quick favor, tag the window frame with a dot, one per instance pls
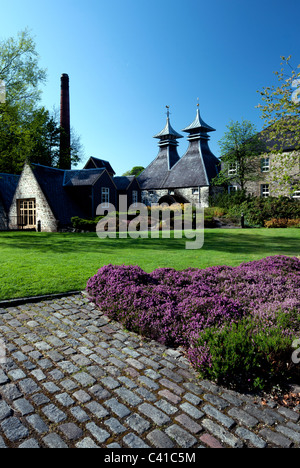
(232, 188)
(26, 211)
(296, 195)
(232, 170)
(135, 197)
(265, 165)
(105, 197)
(265, 190)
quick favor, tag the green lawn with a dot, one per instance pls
(41, 263)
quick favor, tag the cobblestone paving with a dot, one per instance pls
(74, 379)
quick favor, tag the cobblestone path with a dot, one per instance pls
(74, 379)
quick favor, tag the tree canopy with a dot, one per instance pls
(239, 148)
(28, 131)
(136, 170)
(280, 110)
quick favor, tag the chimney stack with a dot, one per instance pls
(65, 130)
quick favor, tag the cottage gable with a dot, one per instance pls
(30, 204)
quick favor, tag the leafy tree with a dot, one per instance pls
(281, 115)
(28, 132)
(20, 71)
(239, 148)
(136, 170)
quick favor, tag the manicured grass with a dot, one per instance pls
(34, 264)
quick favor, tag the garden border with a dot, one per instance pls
(24, 300)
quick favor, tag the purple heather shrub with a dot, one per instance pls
(175, 307)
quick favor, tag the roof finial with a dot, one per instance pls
(198, 102)
(168, 111)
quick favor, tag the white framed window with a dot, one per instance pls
(232, 188)
(105, 197)
(171, 192)
(232, 168)
(135, 197)
(296, 195)
(265, 190)
(265, 164)
(195, 191)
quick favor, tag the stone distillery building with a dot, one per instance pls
(46, 198)
(171, 179)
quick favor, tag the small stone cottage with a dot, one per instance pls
(47, 198)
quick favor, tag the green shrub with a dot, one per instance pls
(258, 210)
(85, 224)
(227, 200)
(248, 354)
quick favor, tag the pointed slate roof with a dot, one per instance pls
(156, 172)
(168, 133)
(96, 163)
(199, 165)
(198, 126)
(123, 182)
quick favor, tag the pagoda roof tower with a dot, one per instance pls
(199, 165)
(155, 174)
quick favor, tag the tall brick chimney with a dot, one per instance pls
(65, 131)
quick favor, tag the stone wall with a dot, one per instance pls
(28, 188)
(191, 194)
(291, 165)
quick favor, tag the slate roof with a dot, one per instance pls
(168, 131)
(287, 141)
(154, 175)
(123, 182)
(195, 169)
(198, 125)
(83, 177)
(8, 185)
(60, 200)
(99, 164)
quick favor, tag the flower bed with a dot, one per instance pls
(237, 324)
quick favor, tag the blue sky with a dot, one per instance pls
(128, 59)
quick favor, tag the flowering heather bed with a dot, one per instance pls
(237, 324)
